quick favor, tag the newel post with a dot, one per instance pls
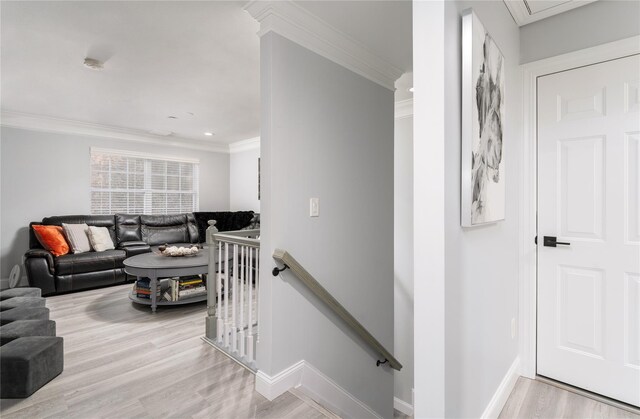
(212, 278)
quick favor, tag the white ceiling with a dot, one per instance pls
(196, 61)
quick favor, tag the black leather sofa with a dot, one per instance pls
(132, 234)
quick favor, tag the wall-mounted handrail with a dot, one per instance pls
(307, 279)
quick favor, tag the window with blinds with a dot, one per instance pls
(134, 183)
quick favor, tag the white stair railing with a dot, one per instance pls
(232, 290)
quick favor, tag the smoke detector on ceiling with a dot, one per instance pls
(93, 64)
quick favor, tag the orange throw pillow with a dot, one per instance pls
(52, 239)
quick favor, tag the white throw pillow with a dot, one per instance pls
(100, 239)
(77, 237)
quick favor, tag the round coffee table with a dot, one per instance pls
(154, 266)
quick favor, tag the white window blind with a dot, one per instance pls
(136, 183)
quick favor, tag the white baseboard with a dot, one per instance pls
(503, 391)
(272, 387)
(316, 385)
(402, 406)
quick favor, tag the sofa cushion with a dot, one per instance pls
(20, 292)
(160, 229)
(127, 228)
(89, 262)
(28, 363)
(88, 280)
(17, 302)
(24, 313)
(24, 328)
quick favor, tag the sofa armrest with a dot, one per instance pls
(133, 248)
(41, 253)
(40, 270)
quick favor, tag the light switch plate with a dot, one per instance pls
(314, 207)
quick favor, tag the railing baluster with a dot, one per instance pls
(226, 295)
(220, 321)
(257, 285)
(241, 302)
(250, 312)
(234, 300)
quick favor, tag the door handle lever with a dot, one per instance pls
(552, 241)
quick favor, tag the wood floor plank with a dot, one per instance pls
(536, 399)
(122, 361)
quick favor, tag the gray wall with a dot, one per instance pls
(47, 174)
(587, 26)
(481, 285)
(403, 256)
(243, 178)
(328, 133)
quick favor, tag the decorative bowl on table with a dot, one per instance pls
(175, 251)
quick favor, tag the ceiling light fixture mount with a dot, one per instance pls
(93, 64)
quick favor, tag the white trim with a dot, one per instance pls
(272, 387)
(141, 155)
(297, 24)
(404, 109)
(66, 126)
(316, 385)
(245, 145)
(522, 16)
(402, 406)
(528, 200)
(503, 391)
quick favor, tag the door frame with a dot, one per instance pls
(528, 185)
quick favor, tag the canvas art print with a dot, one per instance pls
(483, 177)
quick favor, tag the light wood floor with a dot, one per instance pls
(535, 399)
(121, 361)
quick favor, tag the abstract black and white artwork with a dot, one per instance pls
(483, 93)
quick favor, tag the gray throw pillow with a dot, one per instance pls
(77, 237)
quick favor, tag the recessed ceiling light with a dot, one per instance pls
(410, 89)
(93, 64)
(208, 134)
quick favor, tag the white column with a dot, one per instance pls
(212, 320)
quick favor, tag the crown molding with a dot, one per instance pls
(404, 109)
(304, 28)
(244, 145)
(65, 126)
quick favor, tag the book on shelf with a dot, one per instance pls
(185, 287)
(142, 289)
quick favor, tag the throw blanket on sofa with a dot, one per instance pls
(225, 221)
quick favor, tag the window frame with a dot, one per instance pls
(147, 174)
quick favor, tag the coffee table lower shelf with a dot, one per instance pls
(147, 301)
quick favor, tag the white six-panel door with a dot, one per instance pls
(589, 196)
